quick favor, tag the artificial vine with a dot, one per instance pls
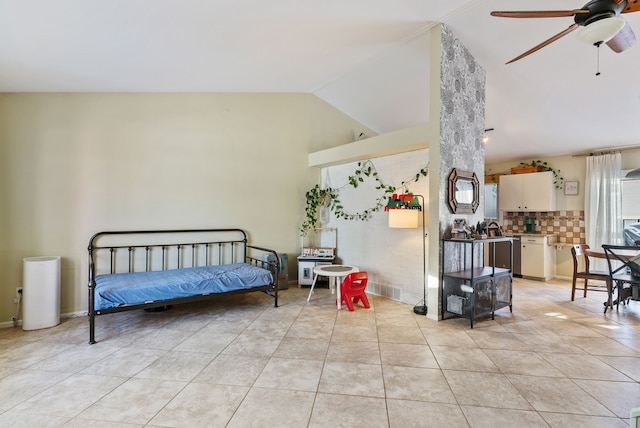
(557, 178)
(317, 197)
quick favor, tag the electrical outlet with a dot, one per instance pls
(18, 292)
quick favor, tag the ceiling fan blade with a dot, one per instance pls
(546, 42)
(623, 40)
(538, 13)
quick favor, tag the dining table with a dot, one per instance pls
(622, 255)
(600, 254)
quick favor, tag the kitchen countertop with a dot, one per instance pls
(529, 234)
(553, 238)
(552, 235)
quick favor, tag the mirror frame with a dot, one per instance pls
(455, 206)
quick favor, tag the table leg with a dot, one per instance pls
(313, 284)
(609, 303)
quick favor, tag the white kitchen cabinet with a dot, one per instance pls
(537, 257)
(527, 192)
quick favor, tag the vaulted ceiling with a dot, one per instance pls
(549, 103)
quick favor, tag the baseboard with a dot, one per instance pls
(9, 324)
(18, 323)
(74, 314)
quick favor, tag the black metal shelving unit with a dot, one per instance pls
(475, 289)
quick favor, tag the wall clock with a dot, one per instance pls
(570, 187)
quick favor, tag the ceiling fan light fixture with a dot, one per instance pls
(600, 31)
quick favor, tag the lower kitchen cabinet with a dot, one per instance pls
(472, 289)
(537, 257)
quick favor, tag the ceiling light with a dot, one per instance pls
(600, 31)
(485, 137)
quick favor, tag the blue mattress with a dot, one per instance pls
(139, 287)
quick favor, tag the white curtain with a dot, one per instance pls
(602, 201)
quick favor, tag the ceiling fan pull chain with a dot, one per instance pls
(598, 58)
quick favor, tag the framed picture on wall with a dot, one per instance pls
(570, 187)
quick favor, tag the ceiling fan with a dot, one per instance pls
(600, 19)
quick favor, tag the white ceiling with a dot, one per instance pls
(550, 103)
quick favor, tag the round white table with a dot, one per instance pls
(333, 272)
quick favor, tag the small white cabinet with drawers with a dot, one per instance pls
(537, 257)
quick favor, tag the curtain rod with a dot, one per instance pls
(597, 152)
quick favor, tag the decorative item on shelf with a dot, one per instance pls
(481, 230)
(472, 232)
(493, 230)
(404, 213)
(459, 230)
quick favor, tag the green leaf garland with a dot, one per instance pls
(317, 197)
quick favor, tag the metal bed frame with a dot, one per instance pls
(188, 248)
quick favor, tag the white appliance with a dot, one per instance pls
(320, 249)
(306, 265)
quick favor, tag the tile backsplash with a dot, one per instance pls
(568, 226)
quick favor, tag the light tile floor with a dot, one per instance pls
(240, 362)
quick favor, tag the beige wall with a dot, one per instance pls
(572, 168)
(74, 164)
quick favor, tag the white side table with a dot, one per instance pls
(333, 272)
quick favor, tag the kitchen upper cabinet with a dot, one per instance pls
(527, 192)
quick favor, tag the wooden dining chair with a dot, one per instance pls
(580, 258)
(624, 271)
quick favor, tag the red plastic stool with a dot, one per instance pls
(352, 289)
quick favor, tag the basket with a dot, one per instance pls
(526, 169)
(493, 178)
(455, 304)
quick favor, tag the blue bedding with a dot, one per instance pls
(140, 287)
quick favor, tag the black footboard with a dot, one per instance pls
(159, 250)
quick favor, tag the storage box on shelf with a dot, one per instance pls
(526, 169)
(475, 289)
(492, 179)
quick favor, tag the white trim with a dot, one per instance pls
(77, 314)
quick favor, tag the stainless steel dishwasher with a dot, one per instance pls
(503, 256)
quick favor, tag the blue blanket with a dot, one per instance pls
(140, 287)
